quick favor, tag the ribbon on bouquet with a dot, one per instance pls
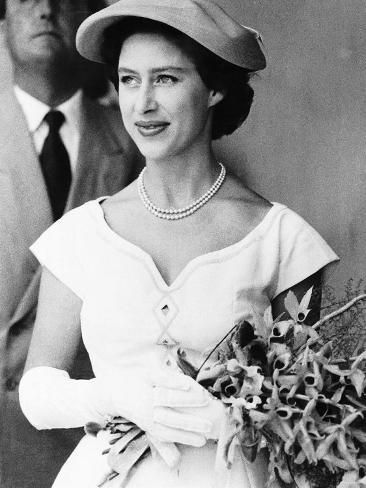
(127, 445)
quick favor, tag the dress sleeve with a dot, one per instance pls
(301, 252)
(58, 249)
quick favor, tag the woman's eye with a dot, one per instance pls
(129, 81)
(166, 80)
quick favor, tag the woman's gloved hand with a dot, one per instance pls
(51, 399)
(137, 399)
(187, 407)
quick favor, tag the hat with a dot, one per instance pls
(202, 20)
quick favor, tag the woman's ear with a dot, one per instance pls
(215, 97)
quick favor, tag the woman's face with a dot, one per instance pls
(164, 103)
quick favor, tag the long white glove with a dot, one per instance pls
(191, 409)
(50, 399)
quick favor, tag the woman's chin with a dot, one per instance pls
(155, 153)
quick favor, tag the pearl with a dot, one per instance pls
(178, 213)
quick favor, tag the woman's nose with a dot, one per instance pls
(146, 100)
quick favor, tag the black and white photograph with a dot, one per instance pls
(182, 244)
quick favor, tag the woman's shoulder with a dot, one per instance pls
(91, 211)
(246, 210)
(122, 210)
(236, 190)
(243, 206)
(125, 197)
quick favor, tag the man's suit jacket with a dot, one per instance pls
(107, 161)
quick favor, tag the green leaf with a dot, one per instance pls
(262, 328)
(357, 378)
(123, 462)
(292, 305)
(249, 439)
(183, 363)
(268, 317)
(281, 465)
(361, 406)
(345, 452)
(324, 445)
(260, 419)
(304, 304)
(231, 452)
(361, 357)
(106, 478)
(337, 395)
(312, 333)
(332, 368)
(126, 439)
(360, 435)
(334, 460)
(211, 373)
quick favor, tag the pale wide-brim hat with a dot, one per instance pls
(202, 20)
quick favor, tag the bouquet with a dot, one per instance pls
(284, 389)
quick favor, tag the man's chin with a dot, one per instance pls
(47, 44)
(49, 54)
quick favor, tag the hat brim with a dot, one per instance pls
(90, 34)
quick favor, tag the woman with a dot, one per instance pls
(176, 258)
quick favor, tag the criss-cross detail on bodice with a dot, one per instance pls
(165, 311)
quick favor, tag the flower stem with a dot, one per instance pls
(215, 348)
(339, 311)
(331, 315)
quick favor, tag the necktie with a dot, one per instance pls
(55, 164)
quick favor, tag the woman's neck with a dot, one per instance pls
(177, 182)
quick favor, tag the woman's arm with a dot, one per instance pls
(315, 280)
(56, 334)
(48, 396)
(51, 399)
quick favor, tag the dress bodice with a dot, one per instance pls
(131, 320)
(128, 310)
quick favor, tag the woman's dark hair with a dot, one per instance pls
(216, 73)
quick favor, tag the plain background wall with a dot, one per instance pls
(304, 143)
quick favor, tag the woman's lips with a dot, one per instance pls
(148, 129)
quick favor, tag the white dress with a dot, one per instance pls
(128, 308)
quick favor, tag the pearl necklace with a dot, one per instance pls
(178, 213)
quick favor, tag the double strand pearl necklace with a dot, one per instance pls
(178, 213)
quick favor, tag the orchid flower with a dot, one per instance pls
(354, 375)
(252, 382)
(351, 480)
(337, 434)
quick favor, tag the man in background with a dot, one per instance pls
(58, 149)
